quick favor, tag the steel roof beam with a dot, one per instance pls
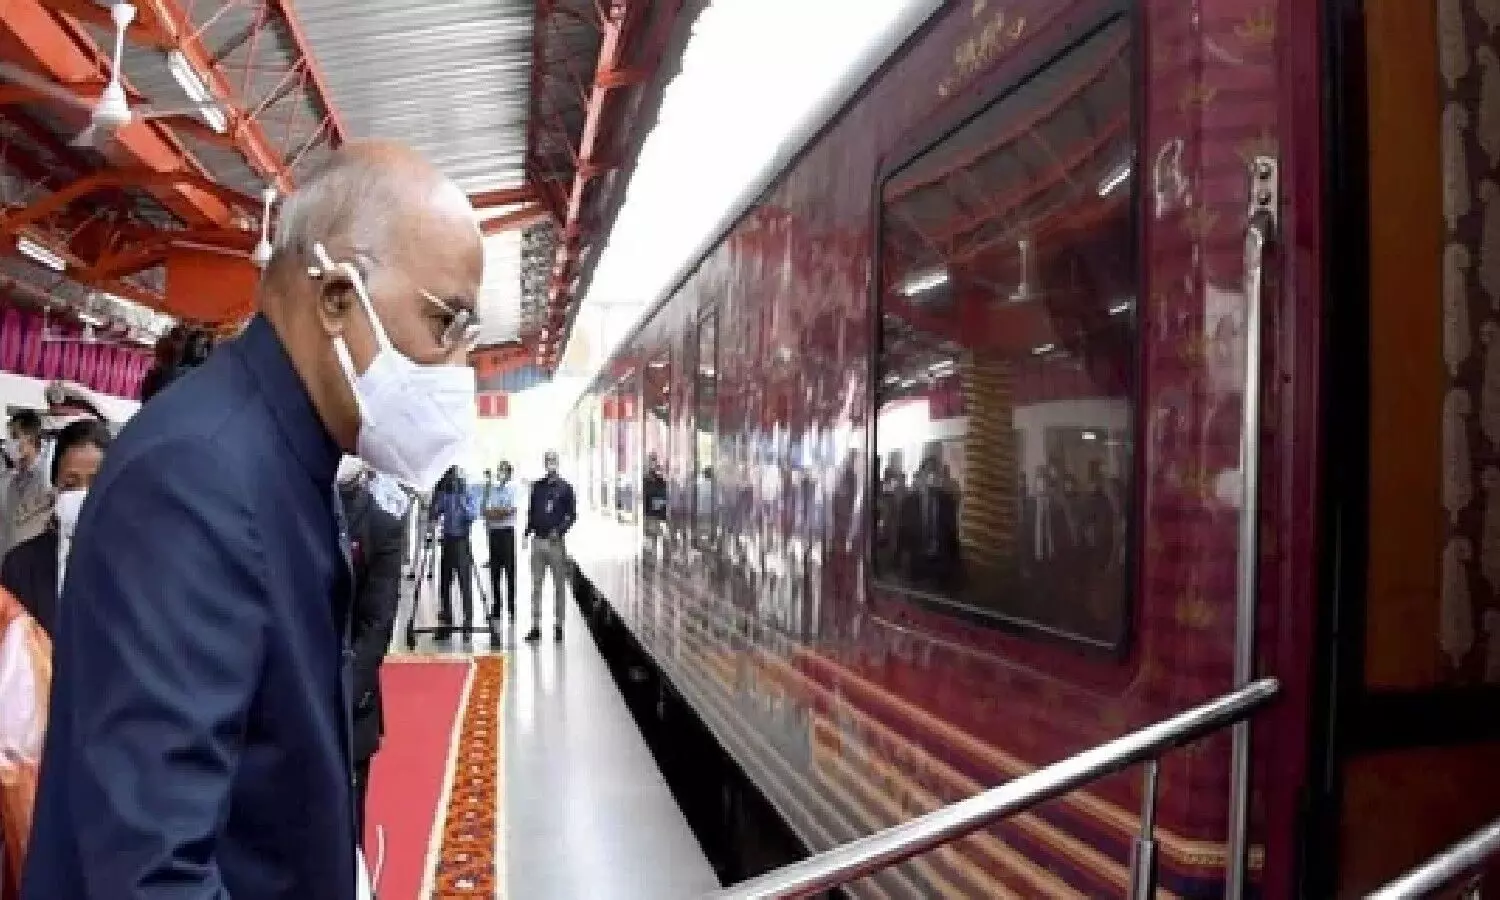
(524, 217)
(57, 201)
(595, 151)
(503, 197)
(611, 49)
(337, 133)
(165, 26)
(168, 20)
(30, 35)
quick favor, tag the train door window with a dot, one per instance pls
(657, 413)
(1007, 346)
(627, 469)
(705, 427)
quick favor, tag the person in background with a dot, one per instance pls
(551, 512)
(376, 535)
(455, 506)
(33, 570)
(654, 497)
(25, 496)
(498, 506)
(167, 352)
(654, 490)
(198, 743)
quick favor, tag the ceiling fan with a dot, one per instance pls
(112, 111)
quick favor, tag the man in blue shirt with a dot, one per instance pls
(550, 514)
(498, 504)
(458, 508)
(198, 746)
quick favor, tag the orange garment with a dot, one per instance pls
(25, 684)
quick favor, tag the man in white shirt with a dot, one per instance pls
(498, 506)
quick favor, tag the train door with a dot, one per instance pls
(1410, 744)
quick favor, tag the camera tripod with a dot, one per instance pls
(426, 572)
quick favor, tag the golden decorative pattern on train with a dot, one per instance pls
(1198, 222)
(1258, 28)
(1193, 611)
(1466, 642)
(988, 509)
(1196, 95)
(994, 37)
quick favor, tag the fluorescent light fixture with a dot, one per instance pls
(1045, 348)
(1023, 291)
(1121, 307)
(1115, 177)
(942, 368)
(921, 282)
(1090, 436)
(39, 254)
(193, 85)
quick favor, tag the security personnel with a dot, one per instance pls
(199, 739)
(550, 514)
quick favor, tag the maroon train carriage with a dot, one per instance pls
(950, 418)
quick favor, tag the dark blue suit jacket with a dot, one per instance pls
(199, 737)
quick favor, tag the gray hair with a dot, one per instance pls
(346, 202)
(351, 203)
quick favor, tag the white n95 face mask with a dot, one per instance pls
(414, 420)
(69, 505)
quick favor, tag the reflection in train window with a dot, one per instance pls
(657, 410)
(705, 427)
(607, 453)
(1006, 374)
(627, 464)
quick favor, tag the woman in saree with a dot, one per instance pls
(25, 682)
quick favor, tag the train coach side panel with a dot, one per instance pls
(855, 706)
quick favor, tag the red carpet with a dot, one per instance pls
(422, 703)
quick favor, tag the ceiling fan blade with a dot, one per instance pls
(46, 86)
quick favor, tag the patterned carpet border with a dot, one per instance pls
(464, 855)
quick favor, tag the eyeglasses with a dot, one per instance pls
(461, 331)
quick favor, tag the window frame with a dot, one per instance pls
(1006, 79)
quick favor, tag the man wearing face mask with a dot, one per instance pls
(25, 495)
(33, 570)
(200, 741)
(550, 514)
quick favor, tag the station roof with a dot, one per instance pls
(536, 108)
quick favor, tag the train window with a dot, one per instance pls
(607, 453)
(1007, 345)
(657, 411)
(627, 467)
(705, 426)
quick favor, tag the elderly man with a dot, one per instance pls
(200, 740)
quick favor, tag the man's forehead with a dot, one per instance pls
(444, 256)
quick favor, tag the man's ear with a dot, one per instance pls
(336, 301)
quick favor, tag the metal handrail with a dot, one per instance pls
(1459, 865)
(1260, 233)
(884, 849)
